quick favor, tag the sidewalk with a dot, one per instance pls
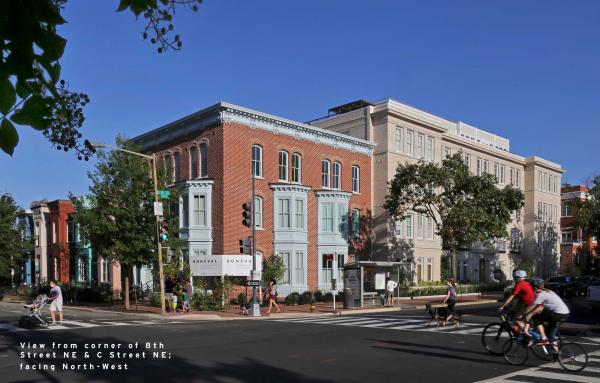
(321, 309)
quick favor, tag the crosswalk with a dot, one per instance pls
(553, 373)
(83, 324)
(413, 323)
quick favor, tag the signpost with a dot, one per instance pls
(334, 272)
(158, 209)
(252, 283)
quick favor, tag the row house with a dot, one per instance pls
(575, 247)
(313, 187)
(405, 134)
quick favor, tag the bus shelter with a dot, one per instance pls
(364, 281)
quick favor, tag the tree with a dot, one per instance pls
(588, 212)
(120, 223)
(32, 92)
(12, 246)
(273, 268)
(464, 208)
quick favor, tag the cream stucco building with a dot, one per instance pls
(407, 134)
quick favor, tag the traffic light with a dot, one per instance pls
(246, 245)
(247, 214)
(164, 230)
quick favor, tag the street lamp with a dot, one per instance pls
(152, 158)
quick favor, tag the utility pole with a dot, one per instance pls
(255, 304)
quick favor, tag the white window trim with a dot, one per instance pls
(283, 164)
(258, 161)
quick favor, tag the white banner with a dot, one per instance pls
(223, 265)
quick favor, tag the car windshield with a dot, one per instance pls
(559, 279)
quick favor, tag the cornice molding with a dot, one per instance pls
(332, 194)
(290, 188)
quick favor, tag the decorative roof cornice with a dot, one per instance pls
(332, 194)
(197, 183)
(290, 188)
(223, 113)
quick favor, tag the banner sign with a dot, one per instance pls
(202, 265)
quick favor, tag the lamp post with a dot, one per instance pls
(155, 179)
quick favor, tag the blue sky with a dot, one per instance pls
(528, 71)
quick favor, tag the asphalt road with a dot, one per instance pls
(396, 346)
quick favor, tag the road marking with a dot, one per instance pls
(144, 322)
(57, 327)
(390, 323)
(116, 324)
(79, 324)
(358, 323)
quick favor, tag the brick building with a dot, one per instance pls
(313, 187)
(60, 236)
(574, 247)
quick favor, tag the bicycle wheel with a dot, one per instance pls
(494, 336)
(515, 352)
(572, 357)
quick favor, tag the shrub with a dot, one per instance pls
(305, 298)
(242, 299)
(154, 299)
(292, 299)
(319, 296)
(328, 297)
(201, 301)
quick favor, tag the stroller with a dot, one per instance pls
(33, 317)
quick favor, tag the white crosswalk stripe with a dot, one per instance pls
(553, 372)
(413, 323)
(81, 324)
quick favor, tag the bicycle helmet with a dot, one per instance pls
(537, 283)
(519, 274)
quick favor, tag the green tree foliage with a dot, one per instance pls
(465, 208)
(588, 211)
(273, 268)
(120, 223)
(12, 246)
(32, 92)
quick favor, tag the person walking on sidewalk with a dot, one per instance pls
(450, 299)
(389, 287)
(57, 302)
(272, 290)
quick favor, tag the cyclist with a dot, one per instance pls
(523, 291)
(547, 307)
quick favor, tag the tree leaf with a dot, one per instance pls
(53, 45)
(7, 95)
(55, 73)
(9, 138)
(123, 5)
(34, 113)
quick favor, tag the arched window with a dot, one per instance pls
(168, 167)
(203, 160)
(193, 162)
(257, 160)
(355, 179)
(325, 165)
(258, 212)
(283, 165)
(296, 168)
(337, 175)
(177, 166)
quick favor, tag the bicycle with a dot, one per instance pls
(495, 335)
(571, 356)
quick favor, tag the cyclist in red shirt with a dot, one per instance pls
(523, 290)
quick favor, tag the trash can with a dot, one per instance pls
(348, 298)
(382, 298)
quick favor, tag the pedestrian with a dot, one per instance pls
(390, 286)
(272, 289)
(188, 292)
(56, 302)
(450, 299)
(169, 293)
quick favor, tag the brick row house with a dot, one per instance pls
(575, 248)
(312, 188)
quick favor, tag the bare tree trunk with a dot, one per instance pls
(453, 261)
(126, 291)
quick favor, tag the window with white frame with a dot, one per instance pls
(177, 166)
(567, 236)
(104, 268)
(258, 212)
(296, 168)
(429, 228)
(283, 165)
(430, 269)
(327, 217)
(81, 269)
(167, 161)
(355, 179)
(565, 209)
(511, 176)
(486, 166)
(194, 162)
(419, 226)
(419, 269)
(467, 161)
(409, 142)
(518, 178)
(299, 213)
(337, 176)
(398, 227)
(325, 168)
(327, 265)
(539, 211)
(356, 222)
(430, 149)
(257, 152)
(286, 256)
(300, 274)
(409, 225)
(199, 210)
(283, 205)
(70, 230)
(447, 152)
(420, 145)
(54, 232)
(478, 166)
(497, 172)
(203, 160)
(399, 142)
(342, 218)
(185, 210)
(502, 171)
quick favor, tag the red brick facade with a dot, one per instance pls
(574, 248)
(59, 260)
(230, 167)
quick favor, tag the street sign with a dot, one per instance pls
(252, 283)
(164, 194)
(158, 208)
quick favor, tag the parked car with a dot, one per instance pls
(593, 295)
(557, 284)
(579, 286)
